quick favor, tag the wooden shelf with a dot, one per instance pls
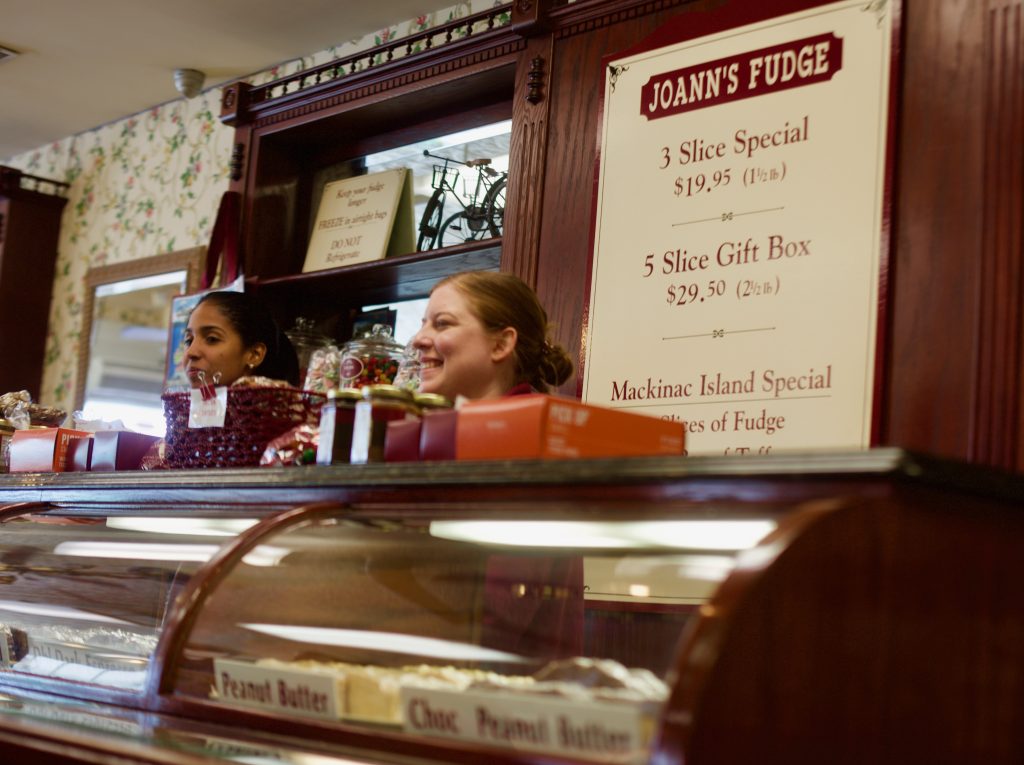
(403, 277)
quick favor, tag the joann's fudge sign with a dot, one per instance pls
(739, 231)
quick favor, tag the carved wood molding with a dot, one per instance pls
(997, 418)
(520, 243)
(355, 88)
(579, 18)
(237, 161)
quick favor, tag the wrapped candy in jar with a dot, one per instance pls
(409, 369)
(371, 360)
(306, 340)
(324, 372)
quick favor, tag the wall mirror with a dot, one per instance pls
(122, 358)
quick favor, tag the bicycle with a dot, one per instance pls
(482, 213)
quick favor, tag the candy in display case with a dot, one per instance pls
(517, 634)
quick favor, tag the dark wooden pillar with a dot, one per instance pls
(30, 212)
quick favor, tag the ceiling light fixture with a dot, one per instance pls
(189, 82)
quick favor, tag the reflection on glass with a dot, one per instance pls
(387, 642)
(57, 612)
(203, 527)
(683, 535)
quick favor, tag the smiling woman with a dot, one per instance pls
(485, 335)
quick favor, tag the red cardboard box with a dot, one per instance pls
(119, 450)
(402, 441)
(554, 427)
(79, 456)
(42, 450)
(437, 435)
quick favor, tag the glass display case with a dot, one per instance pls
(85, 599)
(504, 632)
(520, 629)
(628, 611)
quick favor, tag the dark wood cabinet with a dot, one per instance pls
(30, 213)
(954, 342)
(296, 134)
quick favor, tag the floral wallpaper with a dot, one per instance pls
(150, 184)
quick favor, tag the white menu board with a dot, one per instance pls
(740, 229)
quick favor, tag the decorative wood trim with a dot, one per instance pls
(582, 17)
(997, 427)
(237, 161)
(536, 78)
(461, 42)
(356, 87)
(524, 201)
(13, 181)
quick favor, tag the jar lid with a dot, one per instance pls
(386, 391)
(431, 401)
(345, 394)
(378, 338)
(304, 331)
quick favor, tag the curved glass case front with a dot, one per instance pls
(86, 599)
(556, 636)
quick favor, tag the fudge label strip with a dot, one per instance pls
(293, 692)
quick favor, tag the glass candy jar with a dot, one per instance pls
(370, 360)
(306, 340)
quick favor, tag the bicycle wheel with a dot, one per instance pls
(494, 204)
(430, 223)
(457, 230)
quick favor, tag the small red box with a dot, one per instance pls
(402, 441)
(119, 450)
(437, 435)
(42, 450)
(79, 456)
(542, 426)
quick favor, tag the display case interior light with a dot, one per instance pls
(56, 612)
(261, 555)
(386, 642)
(196, 527)
(732, 535)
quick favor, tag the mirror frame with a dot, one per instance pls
(190, 261)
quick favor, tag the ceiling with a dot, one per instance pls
(82, 64)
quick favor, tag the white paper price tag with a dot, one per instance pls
(209, 413)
